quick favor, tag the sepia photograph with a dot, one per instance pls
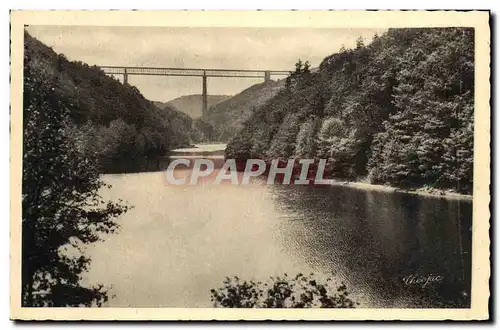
(276, 166)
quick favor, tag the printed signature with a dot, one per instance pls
(422, 281)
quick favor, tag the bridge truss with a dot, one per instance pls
(127, 71)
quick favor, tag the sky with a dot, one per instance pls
(218, 48)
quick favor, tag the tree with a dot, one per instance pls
(307, 67)
(298, 66)
(61, 206)
(338, 144)
(283, 144)
(306, 144)
(301, 74)
(360, 42)
(282, 292)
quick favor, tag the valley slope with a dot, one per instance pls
(399, 111)
(108, 119)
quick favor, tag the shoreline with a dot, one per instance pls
(422, 191)
(436, 193)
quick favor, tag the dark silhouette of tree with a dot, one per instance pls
(298, 66)
(307, 67)
(61, 206)
(360, 42)
(282, 292)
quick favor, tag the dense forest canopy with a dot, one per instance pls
(110, 119)
(398, 111)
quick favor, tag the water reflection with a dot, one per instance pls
(376, 239)
(137, 165)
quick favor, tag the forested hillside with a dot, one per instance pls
(398, 111)
(192, 105)
(112, 120)
(227, 117)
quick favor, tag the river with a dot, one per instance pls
(178, 242)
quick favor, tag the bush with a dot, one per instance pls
(282, 292)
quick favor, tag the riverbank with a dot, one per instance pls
(424, 191)
(366, 185)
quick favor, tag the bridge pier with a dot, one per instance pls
(267, 76)
(125, 76)
(204, 93)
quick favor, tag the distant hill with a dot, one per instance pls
(192, 104)
(112, 120)
(227, 117)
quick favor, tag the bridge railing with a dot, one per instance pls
(189, 72)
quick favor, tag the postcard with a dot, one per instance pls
(250, 165)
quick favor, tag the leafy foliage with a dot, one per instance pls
(398, 111)
(61, 206)
(281, 292)
(306, 143)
